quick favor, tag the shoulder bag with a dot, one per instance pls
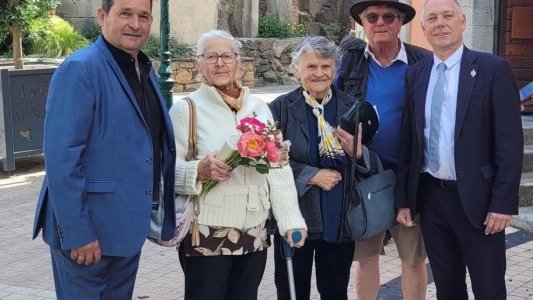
(371, 207)
(371, 210)
(186, 206)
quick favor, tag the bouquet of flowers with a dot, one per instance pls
(259, 146)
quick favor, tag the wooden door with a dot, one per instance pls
(515, 42)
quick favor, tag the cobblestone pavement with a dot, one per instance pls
(25, 268)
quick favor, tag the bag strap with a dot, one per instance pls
(192, 150)
(352, 182)
(375, 163)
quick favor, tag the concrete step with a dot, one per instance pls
(527, 125)
(527, 164)
(526, 189)
(524, 219)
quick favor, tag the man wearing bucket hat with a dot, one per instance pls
(376, 72)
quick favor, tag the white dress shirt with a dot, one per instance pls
(402, 56)
(446, 168)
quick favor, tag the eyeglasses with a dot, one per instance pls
(388, 18)
(212, 58)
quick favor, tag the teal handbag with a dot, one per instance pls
(371, 199)
(371, 209)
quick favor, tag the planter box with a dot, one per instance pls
(22, 110)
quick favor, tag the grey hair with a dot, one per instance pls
(400, 13)
(215, 33)
(426, 2)
(323, 47)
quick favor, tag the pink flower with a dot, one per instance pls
(260, 146)
(273, 152)
(250, 145)
(251, 124)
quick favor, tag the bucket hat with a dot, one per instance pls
(359, 6)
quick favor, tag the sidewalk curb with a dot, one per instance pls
(524, 219)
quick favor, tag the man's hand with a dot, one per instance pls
(346, 141)
(88, 254)
(213, 168)
(326, 179)
(496, 222)
(404, 217)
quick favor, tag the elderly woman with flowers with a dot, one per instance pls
(320, 157)
(238, 179)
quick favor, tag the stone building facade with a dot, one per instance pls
(189, 19)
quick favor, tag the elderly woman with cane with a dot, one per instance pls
(224, 255)
(320, 157)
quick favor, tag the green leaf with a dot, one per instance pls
(262, 168)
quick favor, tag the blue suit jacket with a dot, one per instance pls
(488, 136)
(98, 156)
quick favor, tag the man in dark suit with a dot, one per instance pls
(110, 155)
(461, 157)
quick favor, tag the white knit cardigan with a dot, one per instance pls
(244, 200)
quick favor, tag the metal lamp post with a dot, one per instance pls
(165, 71)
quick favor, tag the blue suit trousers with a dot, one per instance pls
(112, 277)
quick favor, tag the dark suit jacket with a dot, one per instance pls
(488, 136)
(98, 153)
(290, 113)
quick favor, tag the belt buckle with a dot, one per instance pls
(446, 184)
(443, 184)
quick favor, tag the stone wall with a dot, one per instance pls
(239, 17)
(271, 58)
(315, 13)
(186, 77)
(264, 62)
(481, 26)
(188, 19)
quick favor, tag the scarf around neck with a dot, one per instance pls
(330, 149)
(234, 103)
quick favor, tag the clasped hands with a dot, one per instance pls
(327, 179)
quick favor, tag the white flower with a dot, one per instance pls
(259, 234)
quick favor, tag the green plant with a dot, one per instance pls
(300, 29)
(59, 39)
(91, 31)
(15, 17)
(152, 48)
(20, 13)
(332, 31)
(273, 27)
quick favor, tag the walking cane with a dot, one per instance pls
(287, 252)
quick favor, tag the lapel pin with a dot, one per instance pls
(473, 73)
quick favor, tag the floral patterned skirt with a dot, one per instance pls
(227, 241)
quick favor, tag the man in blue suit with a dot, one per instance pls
(461, 157)
(110, 154)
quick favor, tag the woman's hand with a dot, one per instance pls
(326, 179)
(278, 135)
(346, 140)
(213, 168)
(288, 238)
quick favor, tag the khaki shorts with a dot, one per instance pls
(408, 241)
